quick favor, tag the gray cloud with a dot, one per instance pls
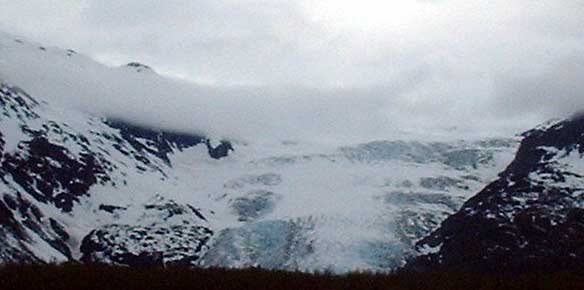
(452, 61)
(556, 91)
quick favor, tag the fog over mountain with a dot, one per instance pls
(337, 69)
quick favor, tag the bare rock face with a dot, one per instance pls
(530, 219)
(166, 233)
(139, 67)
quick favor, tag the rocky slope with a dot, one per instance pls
(530, 219)
(50, 166)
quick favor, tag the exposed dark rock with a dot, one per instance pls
(146, 245)
(161, 143)
(111, 208)
(530, 219)
(156, 142)
(167, 233)
(34, 169)
(222, 150)
(139, 67)
(197, 212)
(7, 217)
(59, 229)
(169, 208)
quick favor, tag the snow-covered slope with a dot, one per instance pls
(530, 219)
(98, 187)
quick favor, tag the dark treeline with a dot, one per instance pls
(103, 277)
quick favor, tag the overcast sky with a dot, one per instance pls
(518, 60)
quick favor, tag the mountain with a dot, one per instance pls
(90, 185)
(530, 219)
(52, 164)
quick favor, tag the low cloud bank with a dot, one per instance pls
(427, 98)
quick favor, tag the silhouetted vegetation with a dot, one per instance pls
(103, 277)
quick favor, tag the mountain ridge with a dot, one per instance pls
(529, 219)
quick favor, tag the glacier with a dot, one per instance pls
(91, 184)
